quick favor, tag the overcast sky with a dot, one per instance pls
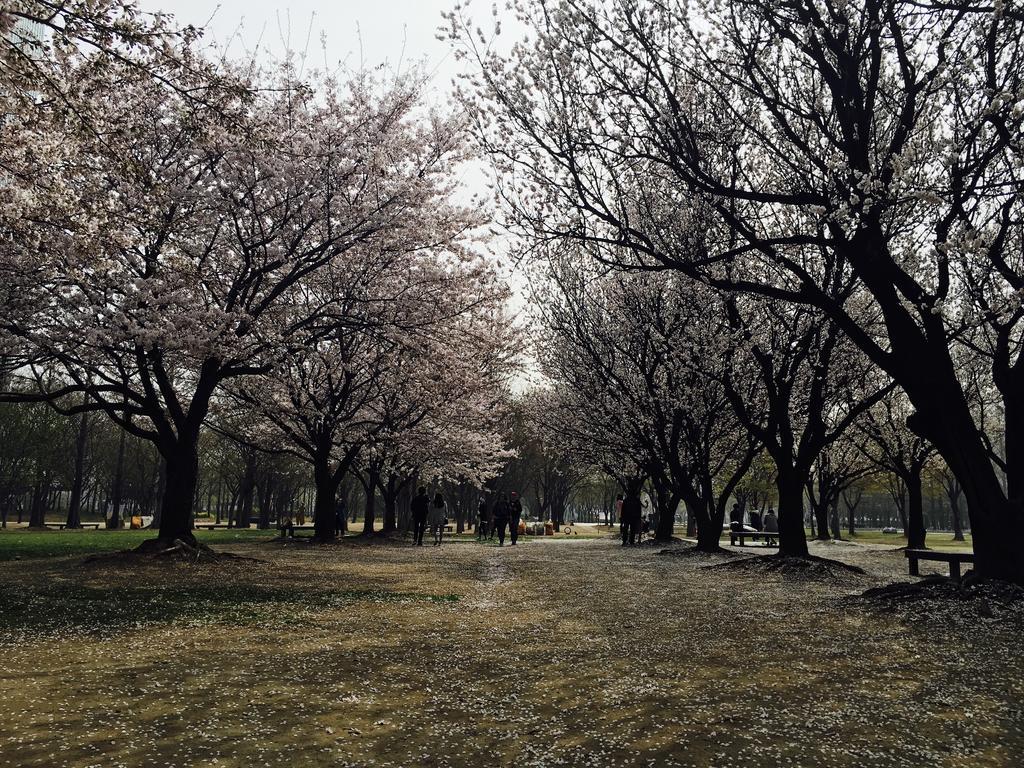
(368, 32)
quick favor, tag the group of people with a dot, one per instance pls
(632, 523)
(768, 524)
(504, 515)
(427, 513)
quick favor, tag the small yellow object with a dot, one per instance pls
(136, 523)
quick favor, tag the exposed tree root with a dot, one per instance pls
(162, 550)
(810, 568)
(693, 552)
(943, 599)
(661, 543)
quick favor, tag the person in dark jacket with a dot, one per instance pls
(736, 518)
(755, 520)
(514, 515)
(500, 514)
(419, 507)
(632, 513)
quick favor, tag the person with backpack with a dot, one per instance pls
(514, 516)
(437, 518)
(419, 507)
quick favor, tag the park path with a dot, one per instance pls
(553, 653)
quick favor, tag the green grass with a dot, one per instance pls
(22, 544)
(934, 540)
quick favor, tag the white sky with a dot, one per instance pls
(384, 27)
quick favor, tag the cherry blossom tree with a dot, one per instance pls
(877, 140)
(161, 241)
(642, 363)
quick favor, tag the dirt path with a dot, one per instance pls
(552, 653)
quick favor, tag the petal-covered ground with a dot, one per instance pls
(564, 652)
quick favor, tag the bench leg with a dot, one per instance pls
(954, 570)
(914, 570)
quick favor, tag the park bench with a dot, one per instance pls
(741, 535)
(953, 558)
(94, 526)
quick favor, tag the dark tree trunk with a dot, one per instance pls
(821, 520)
(958, 530)
(37, 512)
(371, 499)
(833, 518)
(325, 526)
(266, 497)
(944, 418)
(74, 519)
(161, 487)
(182, 474)
(114, 521)
(915, 511)
(790, 483)
(389, 492)
(246, 491)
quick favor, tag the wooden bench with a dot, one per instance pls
(741, 535)
(953, 558)
(94, 526)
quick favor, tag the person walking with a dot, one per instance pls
(437, 518)
(632, 509)
(419, 508)
(771, 525)
(515, 514)
(500, 514)
(481, 518)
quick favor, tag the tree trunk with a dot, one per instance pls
(161, 487)
(246, 492)
(944, 418)
(833, 518)
(182, 474)
(792, 538)
(666, 516)
(37, 512)
(821, 519)
(390, 495)
(74, 519)
(325, 526)
(371, 497)
(915, 511)
(114, 521)
(266, 497)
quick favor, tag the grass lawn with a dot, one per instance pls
(23, 544)
(934, 540)
(562, 651)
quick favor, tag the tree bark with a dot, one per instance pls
(915, 510)
(246, 491)
(792, 538)
(74, 519)
(37, 512)
(114, 521)
(371, 498)
(181, 461)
